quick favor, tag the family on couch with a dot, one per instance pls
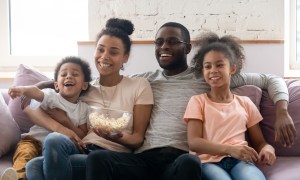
(161, 147)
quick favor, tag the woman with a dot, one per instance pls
(110, 90)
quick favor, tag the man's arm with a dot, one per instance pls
(285, 131)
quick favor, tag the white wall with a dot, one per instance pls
(247, 19)
(261, 58)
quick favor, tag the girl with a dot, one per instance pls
(217, 120)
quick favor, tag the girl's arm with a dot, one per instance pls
(266, 152)
(201, 146)
(31, 92)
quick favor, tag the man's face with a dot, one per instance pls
(170, 48)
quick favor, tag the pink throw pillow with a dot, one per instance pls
(25, 75)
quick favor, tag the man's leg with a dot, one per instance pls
(186, 166)
(105, 164)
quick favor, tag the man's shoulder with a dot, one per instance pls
(148, 75)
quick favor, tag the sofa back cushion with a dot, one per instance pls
(9, 130)
(253, 92)
(25, 75)
(267, 108)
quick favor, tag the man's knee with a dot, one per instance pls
(189, 159)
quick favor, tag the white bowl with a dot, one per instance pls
(110, 121)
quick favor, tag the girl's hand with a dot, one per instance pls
(107, 135)
(267, 155)
(243, 152)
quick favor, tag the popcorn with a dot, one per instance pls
(109, 124)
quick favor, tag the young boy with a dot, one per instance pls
(72, 76)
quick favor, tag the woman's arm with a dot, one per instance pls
(285, 131)
(40, 118)
(202, 146)
(141, 119)
(61, 117)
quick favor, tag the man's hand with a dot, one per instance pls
(285, 131)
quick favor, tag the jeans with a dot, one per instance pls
(160, 163)
(230, 168)
(56, 162)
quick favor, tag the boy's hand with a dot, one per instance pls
(267, 155)
(15, 91)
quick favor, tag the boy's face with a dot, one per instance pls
(70, 81)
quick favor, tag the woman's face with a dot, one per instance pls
(110, 55)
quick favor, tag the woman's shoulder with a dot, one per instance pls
(135, 80)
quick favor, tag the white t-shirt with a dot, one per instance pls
(78, 113)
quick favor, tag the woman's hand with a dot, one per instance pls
(267, 155)
(243, 152)
(106, 134)
(59, 115)
(73, 136)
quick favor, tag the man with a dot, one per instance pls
(164, 152)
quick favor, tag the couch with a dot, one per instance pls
(287, 165)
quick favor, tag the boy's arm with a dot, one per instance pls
(284, 127)
(29, 91)
(40, 118)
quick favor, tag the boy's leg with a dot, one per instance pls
(27, 149)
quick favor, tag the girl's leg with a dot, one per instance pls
(213, 171)
(246, 171)
(56, 151)
(34, 169)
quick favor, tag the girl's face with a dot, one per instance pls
(110, 55)
(70, 81)
(217, 70)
